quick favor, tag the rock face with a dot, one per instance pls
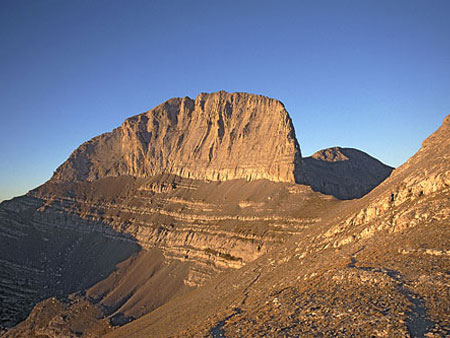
(218, 136)
(345, 173)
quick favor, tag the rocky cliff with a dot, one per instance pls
(218, 137)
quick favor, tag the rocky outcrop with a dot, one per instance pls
(217, 136)
(345, 173)
(399, 202)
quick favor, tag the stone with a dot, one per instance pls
(218, 137)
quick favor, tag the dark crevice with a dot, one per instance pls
(218, 331)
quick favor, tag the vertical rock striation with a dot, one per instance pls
(217, 136)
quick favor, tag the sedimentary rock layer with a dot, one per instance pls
(63, 230)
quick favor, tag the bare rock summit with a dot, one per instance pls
(218, 136)
(345, 173)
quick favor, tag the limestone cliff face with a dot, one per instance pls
(217, 136)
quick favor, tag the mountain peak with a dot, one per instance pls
(345, 173)
(218, 136)
(333, 154)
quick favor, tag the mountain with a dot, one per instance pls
(192, 201)
(218, 137)
(345, 173)
(135, 190)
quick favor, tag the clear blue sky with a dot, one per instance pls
(374, 75)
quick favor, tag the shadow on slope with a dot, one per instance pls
(345, 173)
(44, 254)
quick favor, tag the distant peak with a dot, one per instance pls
(345, 173)
(334, 154)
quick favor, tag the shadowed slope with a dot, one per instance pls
(138, 285)
(201, 228)
(345, 173)
(44, 254)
